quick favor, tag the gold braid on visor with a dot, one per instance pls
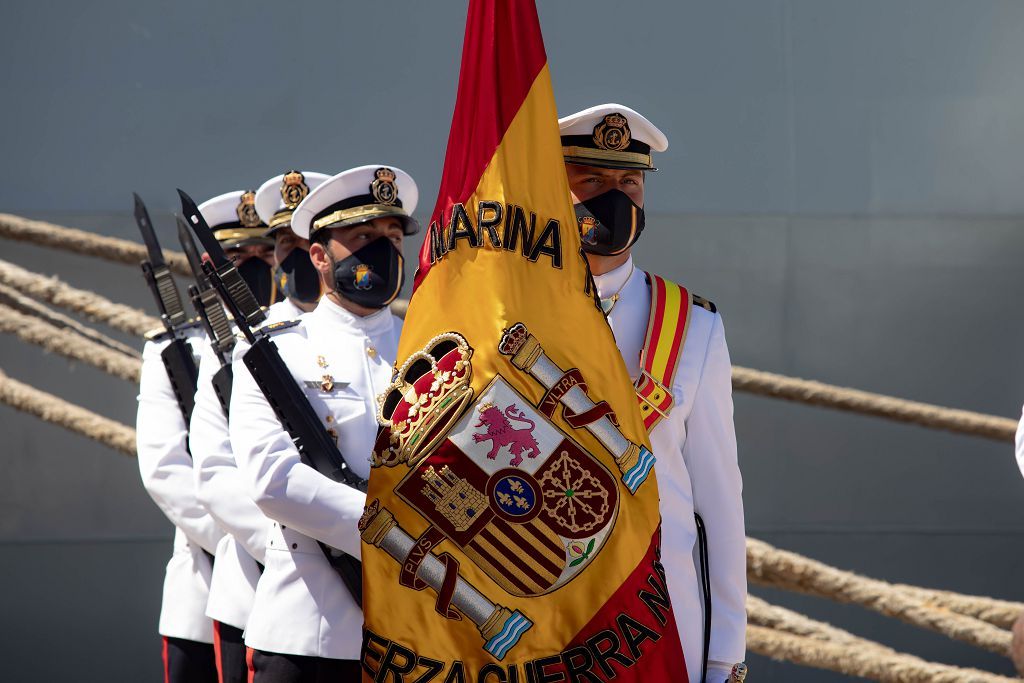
(357, 214)
(606, 155)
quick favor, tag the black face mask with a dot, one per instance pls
(296, 277)
(256, 273)
(609, 223)
(372, 276)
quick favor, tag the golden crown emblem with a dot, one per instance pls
(424, 401)
(293, 189)
(383, 187)
(612, 133)
(246, 210)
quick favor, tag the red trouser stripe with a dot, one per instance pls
(249, 665)
(217, 651)
(167, 666)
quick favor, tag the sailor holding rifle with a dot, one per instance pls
(240, 553)
(306, 623)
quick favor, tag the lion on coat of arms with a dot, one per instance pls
(501, 433)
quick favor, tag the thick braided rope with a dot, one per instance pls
(1001, 613)
(89, 304)
(68, 344)
(855, 660)
(761, 613)
(83, 242)
(815, 393)
(29, 306)
(780, 619)
(770, 566)
(59, 412)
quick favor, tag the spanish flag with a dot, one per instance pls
(511, 532)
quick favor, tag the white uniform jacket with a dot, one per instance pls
(697, 471)
(221, 490)
(342, 362)
(166, 469)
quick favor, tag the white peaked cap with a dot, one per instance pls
(611, 136)
(271, 205)
(357, 196)
(233, 219)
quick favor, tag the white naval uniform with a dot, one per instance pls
(697, 471)
(222, 491)
(166, 469)
(302, 607)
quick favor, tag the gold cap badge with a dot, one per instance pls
(612, 133)
(383, 187)
(246, 210)
(293, 189)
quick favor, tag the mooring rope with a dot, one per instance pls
(89, 304)
(57, 411)
(815, 393)
(1001, 613)
(29, 306)
(767, 565)
(855, 660)
(83, 242)
(68, 344)
(762, 613)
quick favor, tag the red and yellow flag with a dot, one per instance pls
(512, 528)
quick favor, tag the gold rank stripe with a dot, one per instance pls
(606, 155)
(364, 213)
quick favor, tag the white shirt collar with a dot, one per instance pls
(370, 325)
(611, 282)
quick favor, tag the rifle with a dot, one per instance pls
(289, 403)
(211, 313)
(177, 356)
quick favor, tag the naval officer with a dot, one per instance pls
(686, 402)
(304, 624)
(166, 464)
(220, 490)
(166, 469)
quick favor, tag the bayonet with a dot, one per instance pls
(237, 291)
(157, 275)
(195, 261)
(204, 298)
(176, 354)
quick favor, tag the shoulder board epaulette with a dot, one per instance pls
(274, 328)
(708, 306)
(158, 334)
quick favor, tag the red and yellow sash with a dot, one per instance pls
(663, 346)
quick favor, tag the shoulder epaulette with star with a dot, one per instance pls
(707, 305)
(274, 328)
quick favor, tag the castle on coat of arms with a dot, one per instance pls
(453, 497)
